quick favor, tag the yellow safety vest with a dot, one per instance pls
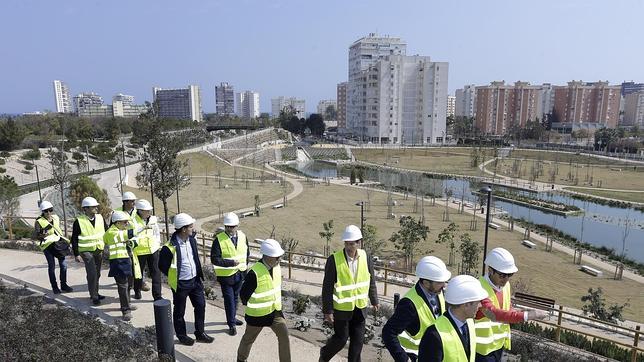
(490, 335)
(53, 234)
(425, 318)
(228, 251)
(351, 292)
(267, 297)
(91, 238)
(116, 241)
(453, 350)
(149, 240)
(172, 272)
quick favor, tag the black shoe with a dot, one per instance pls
(185, 340)
(204, 338)
(137, 295)
(232, 331)
(55, 290)
(157, 298)
(66, 288)
(133, 307)
(238, 322)
(101, 297)
(96, 301)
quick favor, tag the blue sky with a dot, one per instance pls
(299, 48)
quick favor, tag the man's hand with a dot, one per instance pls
(537, 314)
(328, 317)
(77, 258)
(375, 307)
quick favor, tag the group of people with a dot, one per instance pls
(439, 319)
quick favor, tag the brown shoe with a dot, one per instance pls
(145, 287)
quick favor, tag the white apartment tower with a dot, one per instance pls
(247, 104)
(451, 106)
(179, 103)
(465, 101)
(61, 95)
(224, 99)
(278, 104)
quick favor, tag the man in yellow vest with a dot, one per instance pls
(179, 260)
(87, 244)
(452, 336)
(148, 236)
(229, 256)
(119, 241)
(49, 235)
(347, 289)
(129, 200)
(493, 320)
(417, 310)
(262, 294)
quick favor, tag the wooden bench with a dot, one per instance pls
(591, 271)
(247, 214)
(278, 206)
(493, 226)
(529, 244)
(534, 301)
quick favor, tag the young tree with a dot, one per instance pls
(352, 176)
(370, 243)
(61, 173)
(408, 238)
(447, 236)
(595, 304)
(328, 235)
(470, 250)
(84, 186)
(9, 193)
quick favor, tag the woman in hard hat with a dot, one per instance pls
(261, 293)
(119, 242)
(53, 244)
(417, 310)
(146, 228)
(452, 337)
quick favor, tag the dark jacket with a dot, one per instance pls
(76, 230)
(165, 256)
(330, 277)
(431, 346)
(247, 289)
(405, 318)
(216, 259)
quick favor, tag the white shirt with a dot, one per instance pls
(353, 264)
(188, 268)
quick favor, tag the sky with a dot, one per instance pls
(300, 48)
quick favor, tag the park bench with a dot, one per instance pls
(278, 206)
(591, 271)
(247, 214)
(529, 244)
(533, 301)
(493, 226)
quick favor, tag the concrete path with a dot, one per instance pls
(31, 268)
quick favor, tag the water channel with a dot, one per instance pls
(602, 225)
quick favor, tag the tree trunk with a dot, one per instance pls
(62, 200)
(165, 216)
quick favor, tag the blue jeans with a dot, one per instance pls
(230, 288)
(51, 268)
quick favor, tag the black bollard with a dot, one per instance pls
(164, 329)
(396, 299)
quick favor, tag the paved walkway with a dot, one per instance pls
(31, 268)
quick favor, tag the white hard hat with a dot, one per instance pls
(464, 289)
(351, 233)
(89, 202)
(271, 248)
(120, 216)
(128, 196)
(143, 205)
(44, 205)
(182, 219)
(501, 260)
(432, 268)
(231, 219)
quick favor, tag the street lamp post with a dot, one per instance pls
(488, 190)
(361, 204)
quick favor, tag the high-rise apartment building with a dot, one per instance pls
(62, 98)
(126, 100)
(341, 99)
(451, 106)
(631, 87)
(501, 107)
(465, 101)
(90, 104)
(248, 104)
(324, 104)
(225, 99)
(123, 106)
(179, 103)
(280, 103)
(634, 109)
(595, 104)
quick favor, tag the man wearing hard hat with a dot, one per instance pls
(129, 200)
(87, 243)
(347, 289)
(53, 244)
(417, 310)
(179, 260)
(261, 293)
(452, 336)
(229, 255)
(146, 229)
(119, 241)
(492, 321)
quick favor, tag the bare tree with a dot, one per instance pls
(61, 173)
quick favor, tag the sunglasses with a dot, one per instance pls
(48, 210)
(503, 275)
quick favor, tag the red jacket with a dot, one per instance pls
(505, 316)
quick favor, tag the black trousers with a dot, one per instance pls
(491, 357)
(192, 289)
(152, 261)
(352, 330)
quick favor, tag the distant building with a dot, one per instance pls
(631, 87)
(634, 109)
(225, 99)
(125, 99)
(501, 107)
(594, 103)
(178, 103)
(62, 98)
(324, 104)
(451, 106)
(465, 101)
(248, 104)
(278, 104)
(341, 99)
(123, 106)
(90, 104)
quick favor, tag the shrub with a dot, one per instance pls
(2, 161)
(5, 154)
(3, 170)
(85, 186)
(33, 154)
(301, 304)
(29, 167)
